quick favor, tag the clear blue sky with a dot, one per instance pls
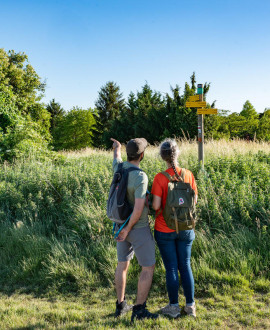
(77, 46)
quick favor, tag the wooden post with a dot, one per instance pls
(200, 129)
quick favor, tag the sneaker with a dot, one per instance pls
(122, 308)
(140, 312)
(190, 310)
(173, 311)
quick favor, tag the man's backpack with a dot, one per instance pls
(118, 207)
(179, 210)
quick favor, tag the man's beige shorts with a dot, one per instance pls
(141, 242)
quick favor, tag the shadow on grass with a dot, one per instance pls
(31, 327)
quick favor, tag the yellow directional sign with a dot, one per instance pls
(196, 104)
(194, 98)
(204, 111)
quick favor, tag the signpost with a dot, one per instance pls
(196, 101)
(210, 111)
(200, 128)
(194, 98)
(199, 104)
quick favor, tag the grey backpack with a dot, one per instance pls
(179, 210)
(118, 207)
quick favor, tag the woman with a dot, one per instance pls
(175, 249)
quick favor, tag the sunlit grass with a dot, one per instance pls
(57, 253)
(237, 311)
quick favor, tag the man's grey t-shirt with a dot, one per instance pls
(136, 188)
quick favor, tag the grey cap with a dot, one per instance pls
(136, 146)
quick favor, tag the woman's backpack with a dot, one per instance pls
(179, 210)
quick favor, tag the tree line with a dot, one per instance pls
(26, 123)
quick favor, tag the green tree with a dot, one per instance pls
(22, 116)
(19, 135)
(252, 120)
(179, 121)
(109, 103)
(263, 132)
(206, 88)
(154, 116)
(41, 117)
(193, 81)
(216, 126)
(148, 109)
(249, 111)
(19, 77)
(122, 127)
(56, 111)
(74, 130)
(238, 125)
(143, 116)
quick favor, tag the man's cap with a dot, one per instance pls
(136, 146)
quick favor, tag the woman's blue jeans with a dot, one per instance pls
(175, 250)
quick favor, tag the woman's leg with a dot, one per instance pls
(184, 244)
(167, 248)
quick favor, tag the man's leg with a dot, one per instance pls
(121, 279)
(144, 248)
(144, 284)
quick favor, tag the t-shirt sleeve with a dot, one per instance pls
(156, 187)
(141, 185)
(192, 182)
(115, 163)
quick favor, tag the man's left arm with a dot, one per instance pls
(136, 214)
(140, 195)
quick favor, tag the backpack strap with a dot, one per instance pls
(168, 176)
(119, 167)
(175, 220)
(130, 169)
(173, 178)
(183, 174)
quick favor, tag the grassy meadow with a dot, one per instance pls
(58, 256)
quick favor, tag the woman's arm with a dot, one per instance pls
(156, 204)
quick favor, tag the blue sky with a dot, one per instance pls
(77, 46)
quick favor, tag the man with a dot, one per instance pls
(136, 236)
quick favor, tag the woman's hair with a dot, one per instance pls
(169, 152)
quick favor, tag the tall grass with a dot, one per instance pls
(55, 236)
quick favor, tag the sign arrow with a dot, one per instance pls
(205, 111)
(200, 104)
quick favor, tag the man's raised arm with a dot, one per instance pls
(116, 149)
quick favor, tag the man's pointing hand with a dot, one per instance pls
(116, 144)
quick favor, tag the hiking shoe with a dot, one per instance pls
(122, 308)
(140, 312)
(190, 310)
(173, 311)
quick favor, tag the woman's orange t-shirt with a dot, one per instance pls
(160, 189)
